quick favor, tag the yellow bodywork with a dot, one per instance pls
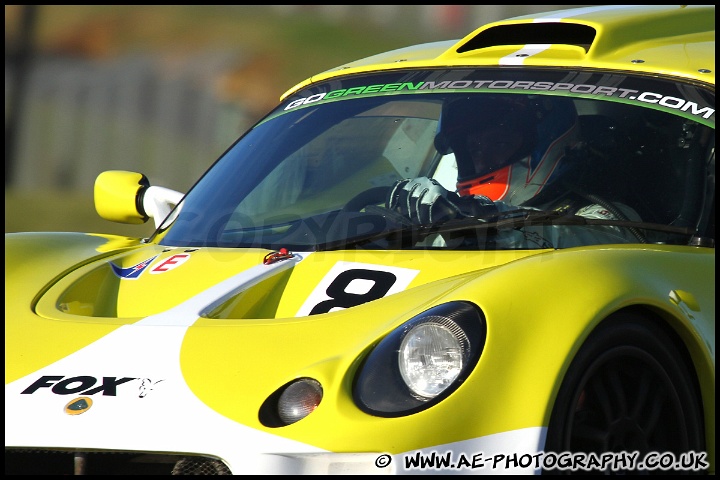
(674, 40)
(234, 362)
(62, 295)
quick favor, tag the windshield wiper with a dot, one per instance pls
(509, 219)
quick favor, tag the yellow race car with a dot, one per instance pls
(487, 255)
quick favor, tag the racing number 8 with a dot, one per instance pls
(340, 297)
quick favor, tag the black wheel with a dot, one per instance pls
(627, 390)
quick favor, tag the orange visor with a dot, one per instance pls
(494, 185)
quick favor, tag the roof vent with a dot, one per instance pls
(532, 33)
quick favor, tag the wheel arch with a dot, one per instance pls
(696, 356)
(699, 360)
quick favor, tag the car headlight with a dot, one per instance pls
(291, 403)
(299, 400)
(421, 362)
(432, 356)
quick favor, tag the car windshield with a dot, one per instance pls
(513, 160)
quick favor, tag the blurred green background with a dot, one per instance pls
(77, 103)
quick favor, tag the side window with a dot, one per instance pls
(411, 145)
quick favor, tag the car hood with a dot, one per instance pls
(235, 284)
(133, 348)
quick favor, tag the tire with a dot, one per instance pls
(627, 390)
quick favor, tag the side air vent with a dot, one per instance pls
(532, 33)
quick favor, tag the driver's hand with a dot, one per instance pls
(423, 200)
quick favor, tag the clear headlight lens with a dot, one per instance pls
(422, 361)
(431, 357)
(291, 403)
(299, 400)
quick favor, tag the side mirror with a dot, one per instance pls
(127, 197)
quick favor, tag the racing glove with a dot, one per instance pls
(425, 201)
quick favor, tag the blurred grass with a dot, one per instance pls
(301, 41)
(297, 45)
(62, 211)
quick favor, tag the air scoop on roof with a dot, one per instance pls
(532, 33)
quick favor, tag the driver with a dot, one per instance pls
(508, 149)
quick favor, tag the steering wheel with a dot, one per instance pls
(369, 200)
(371, 196)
